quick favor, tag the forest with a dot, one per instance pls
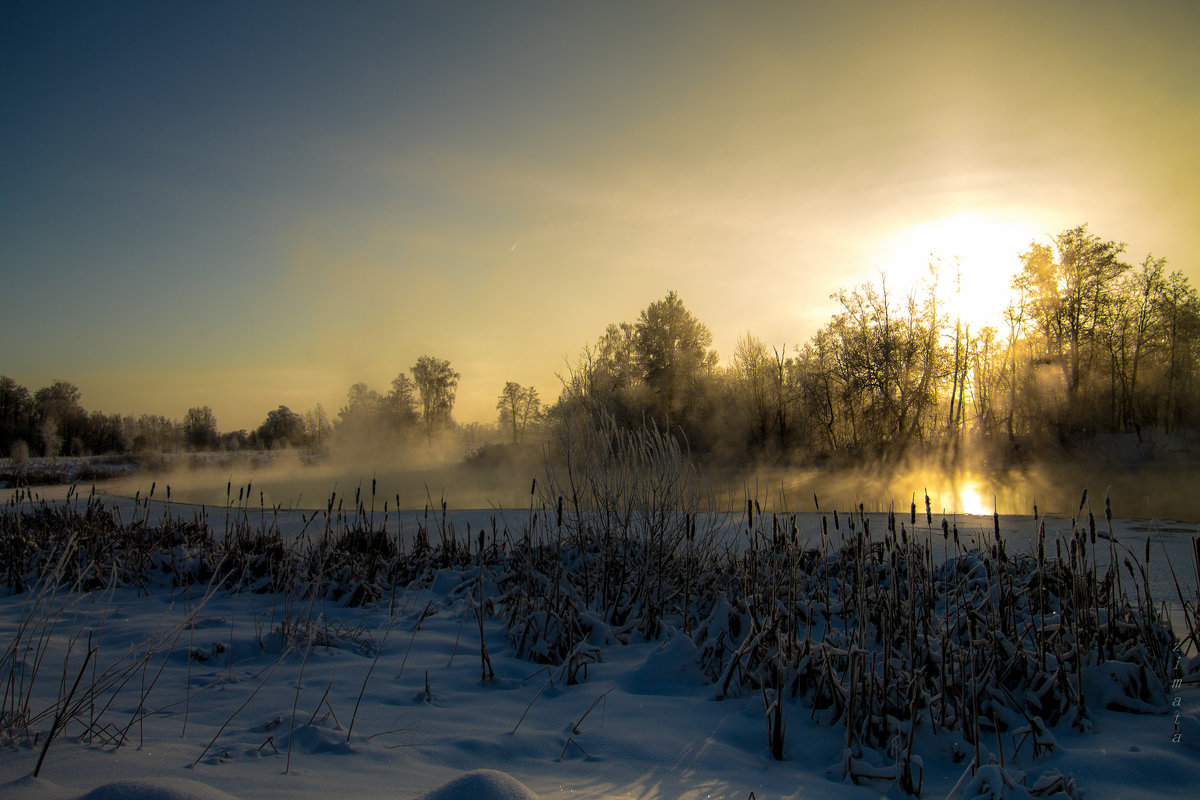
(1090, 344)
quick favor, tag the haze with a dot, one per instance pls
(247, 205)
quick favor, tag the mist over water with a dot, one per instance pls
(289, 481)
(1158, 492)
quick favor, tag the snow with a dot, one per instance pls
(482, 784)
(280, 700)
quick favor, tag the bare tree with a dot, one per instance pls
(436, 382)
(317, 427)
(517, 405)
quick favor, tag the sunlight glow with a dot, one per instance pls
(977, 256)
(971, 502)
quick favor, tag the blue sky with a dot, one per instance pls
(249, 204)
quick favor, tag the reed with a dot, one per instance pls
(869, 622)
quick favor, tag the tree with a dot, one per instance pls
(105, 434)
(16, 415)
(316, 427)
(200, 428)
(751, 369)
(616, 367)
(436, 382)
(671, 349)
(358, 419)
(399, 406)
(1179, 312)
(1068, 291)
(517, 405)
(149, 433)
(282, 428)
(60, 418)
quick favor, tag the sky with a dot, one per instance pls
(243, 205)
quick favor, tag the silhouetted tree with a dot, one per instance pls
(1179, 312)
(16, 415)
(517, 405)
(153, 434)
(399, 406)
(317, 427)
(105, 434)
(62, 422)
(1067, 291)
(200, 428)
(282, 428)
(751, 372)
(671, 351)
(235, 440)
(359, 419)
(436, 382)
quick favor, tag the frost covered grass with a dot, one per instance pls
(618, 636)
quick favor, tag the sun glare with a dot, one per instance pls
(971, 502)
(977, 257)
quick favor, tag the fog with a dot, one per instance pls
(1160, 492)
(501, 478)
(293, 480)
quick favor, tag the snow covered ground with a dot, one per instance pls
(251, 695)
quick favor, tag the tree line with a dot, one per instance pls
(1089, 344)
(52, 422)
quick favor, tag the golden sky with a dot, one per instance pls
(209, 204)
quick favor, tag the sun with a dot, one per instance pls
(970, 501)
(976, 257)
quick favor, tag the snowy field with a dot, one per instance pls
(157, 681)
